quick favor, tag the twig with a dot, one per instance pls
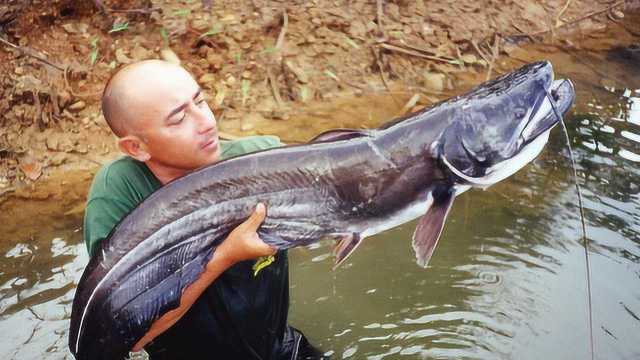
(346, 82)
(278, 47)
(409, 105)
(68, 86)
(376, 54)
(274, 87)
(135, 11)
(27, 52)
(283, 31)
(480, 52)
(564, 8)
(414, 53)
(523, 33)
(102, 7)
(494, 55)
(379, 18)
(421, 50)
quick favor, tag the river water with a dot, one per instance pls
(508, 279)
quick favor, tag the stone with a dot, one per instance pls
(434, 81)
(77, 106)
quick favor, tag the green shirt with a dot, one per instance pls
(122, 184)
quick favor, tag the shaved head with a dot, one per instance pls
(124, 90)
(160, 116)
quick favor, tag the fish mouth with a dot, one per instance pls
(531, 138)
(548, 112)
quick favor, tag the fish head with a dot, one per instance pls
(503, 125)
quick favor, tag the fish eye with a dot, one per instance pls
(520, 113)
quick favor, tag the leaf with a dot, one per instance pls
(262, 263)
(165, 37)
(246, 84)
(93, 56)
(214, 30)
(330, 74)
(351, 42)
(32, 170)
(182, 12)
(119, 27)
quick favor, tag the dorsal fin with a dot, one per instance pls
(340, 134)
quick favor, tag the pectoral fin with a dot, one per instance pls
(345, 247)
(430, 225)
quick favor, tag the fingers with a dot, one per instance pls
(256, 219)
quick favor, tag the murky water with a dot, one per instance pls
(508, 279)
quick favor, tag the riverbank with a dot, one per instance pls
(292, 70)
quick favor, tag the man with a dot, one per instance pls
(166, 129)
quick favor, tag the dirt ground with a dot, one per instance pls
(277, 67)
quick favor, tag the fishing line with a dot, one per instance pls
(584, 226)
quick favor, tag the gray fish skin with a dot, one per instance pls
(346, 185)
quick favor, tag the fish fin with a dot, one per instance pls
(430, 225)
(340, 134)
(345, 247)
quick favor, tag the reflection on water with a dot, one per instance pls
(38, 274)
(508, 279)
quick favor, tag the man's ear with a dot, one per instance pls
(133, 146)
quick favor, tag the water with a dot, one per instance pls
(508, 279)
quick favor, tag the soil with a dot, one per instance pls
(289, 68)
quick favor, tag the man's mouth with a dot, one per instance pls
(210, 144)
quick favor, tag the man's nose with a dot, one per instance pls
(205, 120)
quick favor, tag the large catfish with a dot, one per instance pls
(344, 185)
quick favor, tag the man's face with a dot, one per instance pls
(174, 122)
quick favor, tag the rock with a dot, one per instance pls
(77, 106)
(122, 58)
(215, 60)
(70, 28)
(58, 158)
(298, 72)
(434, 81)
(168, 55)
(52, 143)
(207, 80)
(393, 11)
(230, 80)
(617, 14)
(140, 53)
(246, 126)
(469, 59)
(200, 24)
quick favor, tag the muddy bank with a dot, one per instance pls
(290, 69)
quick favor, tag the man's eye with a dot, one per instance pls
(178, 119)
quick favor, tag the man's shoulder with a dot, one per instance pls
(120, 176)
(249, 144)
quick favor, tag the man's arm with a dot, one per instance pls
(242, 244)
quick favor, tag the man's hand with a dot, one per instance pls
(243, 243)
